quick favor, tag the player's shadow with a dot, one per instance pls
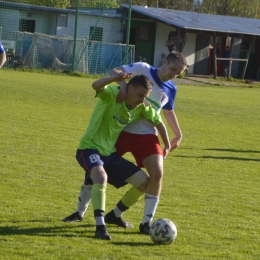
(230, 158)
(223, 157)
(65, 231)
(220, 158)
(231, 150)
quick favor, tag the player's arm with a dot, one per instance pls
(165, 138)
(172, 121)
(2, 59)
(100, 84)
(122, 83)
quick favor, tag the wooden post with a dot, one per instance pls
(230, 56)
(183, 41)
(178, 39)
(247, 57)
(214, 57)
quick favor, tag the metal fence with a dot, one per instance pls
(88, 39)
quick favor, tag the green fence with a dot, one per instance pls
(90, 38)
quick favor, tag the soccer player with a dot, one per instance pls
(140, 138)
(2, 55)
(96, 153)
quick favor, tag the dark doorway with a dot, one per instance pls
(132, 39)
(27, 26)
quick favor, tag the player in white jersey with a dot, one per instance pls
(140, 138)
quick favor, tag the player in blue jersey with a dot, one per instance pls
(96, 152)
(140, 138)
(2, 55)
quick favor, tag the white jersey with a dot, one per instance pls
(161, 96)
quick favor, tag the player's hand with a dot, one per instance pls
(175, 143)
(166, 150)
(122, 76)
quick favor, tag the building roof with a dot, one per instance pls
(199, 21)
(112, 13)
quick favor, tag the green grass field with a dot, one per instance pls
(211, 187)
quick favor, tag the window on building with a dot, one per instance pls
(27, 26)
(62, 20)
(96, 33)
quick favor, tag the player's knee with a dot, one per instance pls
(143, 186)
(156, 175)
(98, 176)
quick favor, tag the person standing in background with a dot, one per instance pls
(226, 54)
(2, 55)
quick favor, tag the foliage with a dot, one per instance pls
(241, 8)
(210, 189)
(95, 4)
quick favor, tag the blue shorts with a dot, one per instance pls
(117, 168)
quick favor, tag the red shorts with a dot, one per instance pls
(141, 146)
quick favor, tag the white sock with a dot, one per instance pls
(84, 199)
(100, 221)
(150, 206)
(118, 212)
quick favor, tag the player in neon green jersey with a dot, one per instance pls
(96, 152)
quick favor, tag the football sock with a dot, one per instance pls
(84, 199)
(118, 212)
(129, 199)
(98, 196)
(150, 206)
(100, 221)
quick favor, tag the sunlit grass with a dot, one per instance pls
(210, 189)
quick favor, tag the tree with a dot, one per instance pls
(50, 3)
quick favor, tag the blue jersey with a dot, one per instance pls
(2, 50)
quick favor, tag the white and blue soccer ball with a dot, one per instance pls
(163, 231)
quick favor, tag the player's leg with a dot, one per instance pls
(98, 195)
(92, 163)
(82, 206)
(132, 196)
(154, 166)
(147, 152)
(123, 173)
(84, 199)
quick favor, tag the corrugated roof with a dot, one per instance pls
(201, 22)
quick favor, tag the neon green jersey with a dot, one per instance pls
(108, 120)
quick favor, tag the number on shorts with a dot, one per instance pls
(93, 158)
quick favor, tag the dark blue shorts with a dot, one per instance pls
(117, 168)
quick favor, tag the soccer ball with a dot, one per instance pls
(163, 231)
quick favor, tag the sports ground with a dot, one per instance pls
(211, 186)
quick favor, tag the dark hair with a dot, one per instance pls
(175, 55)
(140, 80)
